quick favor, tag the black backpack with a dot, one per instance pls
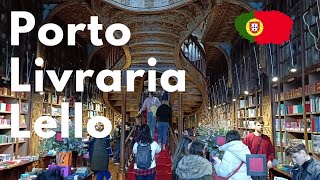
(143, 157)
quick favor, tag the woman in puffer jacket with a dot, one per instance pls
(234, 155)
(195, 166)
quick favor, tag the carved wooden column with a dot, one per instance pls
(122, 169)
(112, 118)
(37, 106)
(180, 120)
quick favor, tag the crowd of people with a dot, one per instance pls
(190, 160)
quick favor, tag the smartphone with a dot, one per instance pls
(212, 159)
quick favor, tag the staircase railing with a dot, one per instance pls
(193, 51)
(115, 54)
(173, 141)
(128, 148)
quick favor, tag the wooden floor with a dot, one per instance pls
(114, 169)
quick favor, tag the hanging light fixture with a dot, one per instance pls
(274, 77)
(234, 99)
(293, 68)
(246, 92)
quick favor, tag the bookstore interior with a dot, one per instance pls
(230, 83)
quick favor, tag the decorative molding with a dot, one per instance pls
(148, 6)
(47, 8)
(266, 115)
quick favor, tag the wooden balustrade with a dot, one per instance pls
(194, 52)
(114, 55)
(173, 141)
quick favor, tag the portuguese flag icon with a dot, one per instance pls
(264, 27)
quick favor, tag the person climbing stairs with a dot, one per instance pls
(163, 165)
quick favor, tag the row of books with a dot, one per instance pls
(314, 104)
(95, 106)
(6, 107)
(311, 106)
(278, 138)
(295, 93)
(5, 139)
(5, 157)
(297, 125)
(249, 123)
(7, 92)
(252, 99)
(295, 109)
(53, 99)
(311, 144)
(242, 103)
(251, 113)
(316, 143)
(6, 123)
(315, 123)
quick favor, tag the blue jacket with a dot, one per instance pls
(308, 171)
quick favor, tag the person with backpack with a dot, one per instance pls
(151, 104)
(144, 151)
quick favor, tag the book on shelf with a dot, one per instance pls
(277, 124)
(278, 139)
(294, 109)
(54, 99)
(250, 100)
(316, 143)
(24, 107)
(282, 107)
(241, 113)
(315, 122)
(314, 88)
(5, 139)
(5, 157)
(242, 103)
(297, 125)
(314, 104)
(251, 112)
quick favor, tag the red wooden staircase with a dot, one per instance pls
(163, 168)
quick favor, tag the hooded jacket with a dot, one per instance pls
(235, 153)
(194, 167)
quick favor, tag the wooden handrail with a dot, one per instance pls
(195, 54)
(131, 132)
(175, 139)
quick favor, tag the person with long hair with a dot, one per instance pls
(233, 164)
(145, 150)
(151, 104)
(194, 166)
(181, 151)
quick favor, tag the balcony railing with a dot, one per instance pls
(194, 52)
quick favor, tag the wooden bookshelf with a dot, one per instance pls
(8, 145)
(248, 110)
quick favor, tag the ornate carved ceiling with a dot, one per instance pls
(76, 13)
(221, 29)
(147, 5)
(155, 34)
